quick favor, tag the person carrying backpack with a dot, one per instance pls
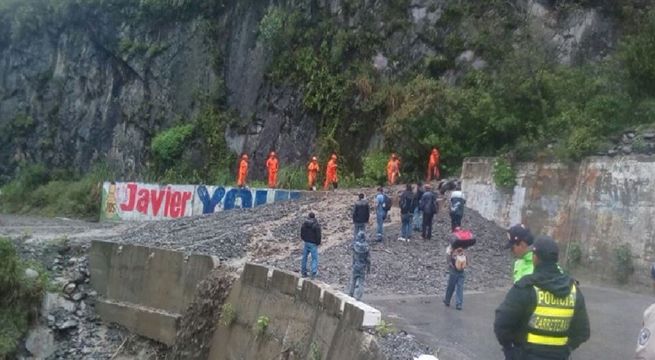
(382, 207)
(406, 213)
(457, 262)
(457, 203)
(430, 208)
(360, 215)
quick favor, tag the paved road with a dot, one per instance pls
(615, 318)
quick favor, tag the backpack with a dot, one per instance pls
(460, 262)
(462, 238)
(387, 203)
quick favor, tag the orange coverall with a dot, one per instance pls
(272, 166)
(243, 171)
(312, 173)
(393, 170)
(331, 173)
(433, 165)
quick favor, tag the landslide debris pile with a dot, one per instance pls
(418, 266)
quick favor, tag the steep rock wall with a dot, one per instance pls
(98, 88)
(601, 203)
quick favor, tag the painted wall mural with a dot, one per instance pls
(137, 201)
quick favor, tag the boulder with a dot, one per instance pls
(40, 342)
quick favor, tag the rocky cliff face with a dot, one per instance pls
(93, 87)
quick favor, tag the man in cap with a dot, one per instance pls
(544, 315)
(520, 240)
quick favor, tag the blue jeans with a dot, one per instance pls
(309, 248)
(358, 227)
(357, 285)
(455, 221)
(455, 284)
(380, 215)
(406, 226)
(418, 219)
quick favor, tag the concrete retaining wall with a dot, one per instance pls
(600, 203)
(137, 201)
(145, 289)
(308, 319)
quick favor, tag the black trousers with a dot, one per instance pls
(426, 228)
(455, 221)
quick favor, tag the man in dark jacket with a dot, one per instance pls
(418, 213)
(430, 207)
(543, 317)
(310, 233)
(360, 215)
(406, 203)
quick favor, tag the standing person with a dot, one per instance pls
(393, 169)
(457, 262)
(312, 173)
(361, 265)
(645, 347)
(381, 200)
(310, 234)
(242, 175)
(272, 167)
(457, 203)
(406, 213)
(418, 212)
(520, 242)
(433, 165)
(331, 173)
(430, 208)
(361, 215)
(544, 315)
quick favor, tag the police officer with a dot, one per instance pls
(544, 315)
(520, 243)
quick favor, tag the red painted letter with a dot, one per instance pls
(156, 196)
(186, 196)
(144, 200)
(175, 204)
(131, 191)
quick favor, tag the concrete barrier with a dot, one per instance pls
(600, 203)
(145, 289)
(139, 201)
(306, 318)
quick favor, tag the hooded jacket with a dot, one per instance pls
(457, 203)
(361, 212)
(428, 203)
(361, 258)
(512, 316)
(311, 231)
(407, 202)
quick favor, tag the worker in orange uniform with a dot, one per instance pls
(393, 169)
(243, 171)
(312, 173)
(272, 167)
(331, 173)
(433, 165)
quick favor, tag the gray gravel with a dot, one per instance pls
(418, 266)
(402, 346)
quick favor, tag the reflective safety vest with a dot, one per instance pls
(549, 323)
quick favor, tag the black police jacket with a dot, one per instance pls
(512, 316)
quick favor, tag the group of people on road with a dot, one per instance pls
(331, 170)
(543, 316)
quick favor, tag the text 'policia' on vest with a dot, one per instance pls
(551, 319)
